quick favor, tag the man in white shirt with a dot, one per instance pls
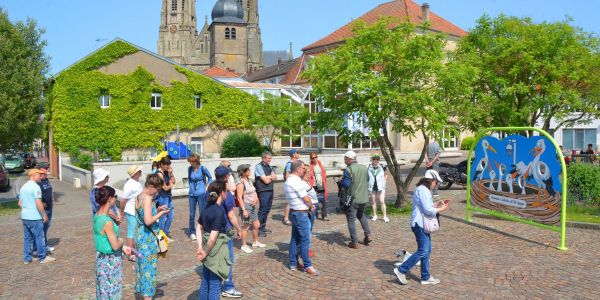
(131, 190)
(301, 207)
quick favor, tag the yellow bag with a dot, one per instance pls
(163, 243)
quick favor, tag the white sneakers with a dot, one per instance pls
(431, 280)
(246, 249)
(192, 237)
(374, 218)
(258, 245)
(48, 259)
(386, 219)
(401, 277)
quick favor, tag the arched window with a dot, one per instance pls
(227, 33)
(233, 33)
(174, 5)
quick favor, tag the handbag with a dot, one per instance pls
(430, 224)
(346, 199)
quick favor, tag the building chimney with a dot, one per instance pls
(425, 12)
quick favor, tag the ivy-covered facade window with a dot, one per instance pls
(156, 101)
(198, 101)
(104, 99)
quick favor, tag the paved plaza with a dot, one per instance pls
(493, 259)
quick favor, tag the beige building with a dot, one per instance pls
(231, 41)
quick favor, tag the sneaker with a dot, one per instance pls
(193, 237)
(262, 234)
(431, 280)
(49, 249)
(367, 240)
(26, 262)
(386, 219)
(258, 245)
(299, 267)
(233, 293)
(374, 218)
(48, 259)
(401, 277)
(312, 271)
(325, 219)
(170, 239)
(246, 249)
(353, 245)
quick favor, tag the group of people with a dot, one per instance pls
(148, 209)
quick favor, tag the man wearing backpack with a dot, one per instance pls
(356, 180)
(199, 178)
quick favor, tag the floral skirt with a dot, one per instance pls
(145, 272)
(109, 275)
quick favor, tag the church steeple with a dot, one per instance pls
(177, 29)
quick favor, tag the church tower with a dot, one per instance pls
(177, 30)
(229, 36)
(255, 59)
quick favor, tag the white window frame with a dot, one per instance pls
(450, 140)
(195, 144)
(104, 99)
(153, 98)
(198, 100)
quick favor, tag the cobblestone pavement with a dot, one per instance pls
(491, 259)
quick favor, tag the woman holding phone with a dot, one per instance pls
(145, 241)
(422, 206)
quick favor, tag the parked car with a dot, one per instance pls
(13, 163)
(29, 161)
(4, 179)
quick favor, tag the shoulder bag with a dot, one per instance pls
(430, 224)
(161, 238)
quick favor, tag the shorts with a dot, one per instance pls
(252, 214)
(131, 225)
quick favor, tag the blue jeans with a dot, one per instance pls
(313, 216)
(265, 199)
(228, 284)
(195, 201)
(422, 254)
(167, 219)
(210, 286)
(46, 227)
(33, 233)
(301, 234)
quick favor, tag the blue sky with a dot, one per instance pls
(76, 28)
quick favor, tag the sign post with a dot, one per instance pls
(519, 179)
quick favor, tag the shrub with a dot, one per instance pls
(82, 160)
(582, 181)
(241, 144)
(467, 142)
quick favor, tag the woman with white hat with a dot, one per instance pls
(422, 206)
(131, 189)
(100, 180)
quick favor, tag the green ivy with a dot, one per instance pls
(78, 122)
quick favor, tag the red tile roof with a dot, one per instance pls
(399, 9)
(218, 72)
(293, 76)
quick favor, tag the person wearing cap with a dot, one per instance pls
(228, 289)
(301, 209)
(377, 179)
(47, 201)
(264, 179)
(294, 155)
(199, 178)
(432, 160)
(100, 180)
(356, 179)
(131, 190)
(248, 202)
(33, 217)
(422, 205)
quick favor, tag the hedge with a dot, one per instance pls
(241, 144)
(583, 181)
(467, 142)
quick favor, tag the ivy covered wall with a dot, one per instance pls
(78, 122)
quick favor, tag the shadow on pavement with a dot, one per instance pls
(385, 266)
(53, 242)
(333, 237)
(280, 254)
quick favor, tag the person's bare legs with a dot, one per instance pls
(256, 225)
(244, 233)
(381, 195)
(374, 205)
(286, 214)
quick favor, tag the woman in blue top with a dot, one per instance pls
(165, 197)
(199, 178)
(109, 257)
(422, 205)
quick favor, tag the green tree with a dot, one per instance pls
(23, 66)
(274, 116)
(528, 73)
(391, 77)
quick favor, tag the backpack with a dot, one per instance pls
(202, 173)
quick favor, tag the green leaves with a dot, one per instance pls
(23, 66)
(529, 73)
(78, 122)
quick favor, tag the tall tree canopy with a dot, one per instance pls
(528, 73)
(391, 77)
(23, 67)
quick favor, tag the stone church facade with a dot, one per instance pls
(231, 41)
